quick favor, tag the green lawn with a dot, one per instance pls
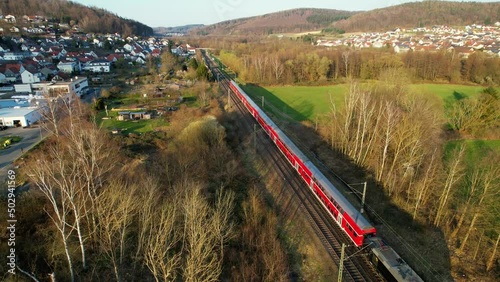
(133, 126)
(449, 93)
(308, 102)
(299, 102)
(129, 126)
(475, 149)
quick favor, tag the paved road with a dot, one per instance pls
(31, 137)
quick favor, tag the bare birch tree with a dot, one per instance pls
(204, 228)
(160, 255)
(453, 175)
(115, 207)
(55, 180)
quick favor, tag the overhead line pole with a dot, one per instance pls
(341, 265)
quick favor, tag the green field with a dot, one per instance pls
(308, 102)
(475, 150)
(299, 102)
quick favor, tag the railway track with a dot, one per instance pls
(356, 265)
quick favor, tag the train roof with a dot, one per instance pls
(354, 213)
(393, 262)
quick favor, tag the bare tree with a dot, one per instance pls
(491, 261)
(454, 173)
(115, 208)
(55, 179)
(159, 252)
(204, 230)
(278, 67)
(487, 177)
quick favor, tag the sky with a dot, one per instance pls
(167, 13)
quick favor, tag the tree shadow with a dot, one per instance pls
(276, 106)
(422, 246)
(455, 97)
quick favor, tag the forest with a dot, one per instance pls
(90, 19)
(422, 13)
(286, 62)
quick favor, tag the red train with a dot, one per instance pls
(347, 217)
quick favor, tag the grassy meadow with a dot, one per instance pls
(308, 102)
(299, 102)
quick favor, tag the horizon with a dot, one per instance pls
(215, 11)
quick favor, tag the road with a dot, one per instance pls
(31, 137)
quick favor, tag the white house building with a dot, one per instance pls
(77, 86)
(69, 67)
(98, 66)
(29, 77)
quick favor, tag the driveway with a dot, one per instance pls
(31, 136)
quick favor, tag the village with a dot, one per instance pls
(462, 41)
(43, 60)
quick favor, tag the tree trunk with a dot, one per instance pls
(68, 256)
(469, 231)
(453, 176)
(427, 179)
(491, 261)
(477, 247)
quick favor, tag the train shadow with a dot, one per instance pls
(421, 245)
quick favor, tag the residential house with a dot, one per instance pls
(48, 71)
(139, 60)
(99, 65)
(28, 77)
(69, 66)
(10, 19)
(14, 56)
(12, 72)
(114, 57)
(77, 86)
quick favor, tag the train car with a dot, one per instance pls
(351, 221)
(389, 263)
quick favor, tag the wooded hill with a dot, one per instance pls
(421, 14)
(296, 20)
(404, 16)
(180, 29)
(90, 19)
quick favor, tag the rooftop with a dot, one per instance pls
(10, 103)
(16, 112)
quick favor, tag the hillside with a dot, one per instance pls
(296, 20)
(90, 19)
(422, 14)
(175, 29)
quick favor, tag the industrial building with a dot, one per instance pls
(18, 116)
